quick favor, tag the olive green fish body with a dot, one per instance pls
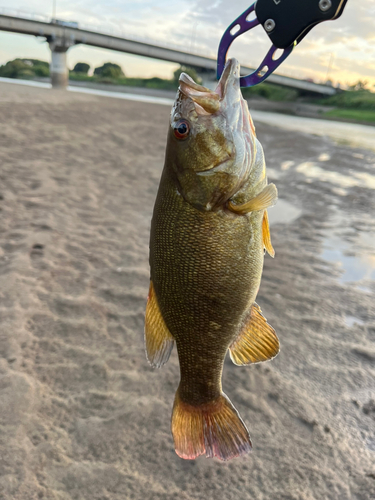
(208, 235)
(206, 269)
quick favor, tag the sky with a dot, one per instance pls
(342, 50)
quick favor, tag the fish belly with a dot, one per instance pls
(206, 269)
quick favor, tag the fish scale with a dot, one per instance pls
(203, 276)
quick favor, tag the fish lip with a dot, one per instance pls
(187, 80)
(230, 73)
(206, 101)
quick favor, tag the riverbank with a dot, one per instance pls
(298, 107)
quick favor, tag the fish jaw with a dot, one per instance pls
(238, 117)
(216, 158)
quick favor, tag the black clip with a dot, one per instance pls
(289, 21)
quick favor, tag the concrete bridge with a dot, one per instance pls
(61, 36)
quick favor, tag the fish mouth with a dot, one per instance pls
(230, 75)
(209, 101)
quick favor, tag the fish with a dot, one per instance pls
(209, 234)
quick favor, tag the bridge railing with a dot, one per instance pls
(31, 16)
(105, 30)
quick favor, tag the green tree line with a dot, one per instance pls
(30, 68)
(24, 68)
(358, 98)
(107, 73)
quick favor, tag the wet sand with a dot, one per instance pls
(82, 415)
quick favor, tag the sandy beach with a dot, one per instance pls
(82, 414)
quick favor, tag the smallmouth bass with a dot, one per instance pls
(209, 231)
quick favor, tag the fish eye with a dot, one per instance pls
(181, 129)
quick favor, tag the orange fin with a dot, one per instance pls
(213, 429)
(267, 235)
(257, 340)
(265, 199)
(158, 339)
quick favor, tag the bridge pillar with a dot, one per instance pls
(58, 68)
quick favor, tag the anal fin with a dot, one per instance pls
(267, 235)
(257, 341)
(265, 199)
(158, 339)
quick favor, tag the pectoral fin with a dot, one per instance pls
(267, 235)
(265, 199)
(257, 340)
(158, 339)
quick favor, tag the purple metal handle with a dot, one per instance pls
(267, 66)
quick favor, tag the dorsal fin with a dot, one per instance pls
(158, 339)
(257, 340)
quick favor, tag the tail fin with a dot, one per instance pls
(214, 429)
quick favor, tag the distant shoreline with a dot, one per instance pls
(294, 108)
